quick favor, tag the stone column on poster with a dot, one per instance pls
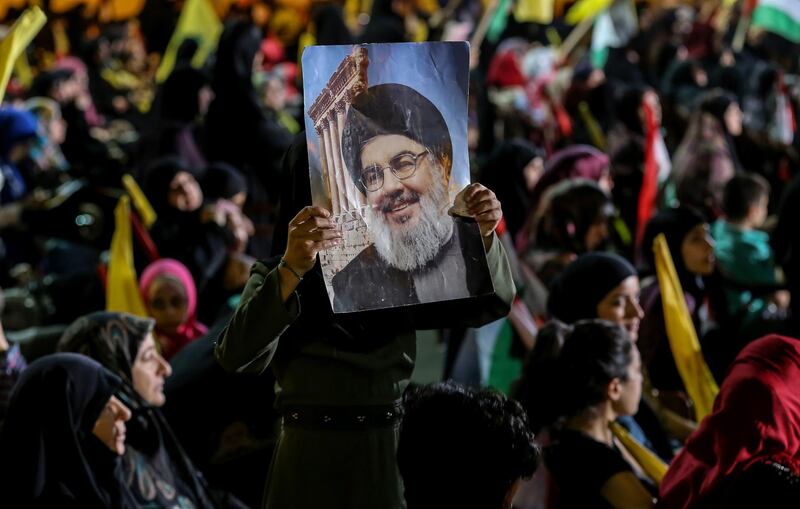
(336, 203)
(334, 150)
(323, 159)
(341, 176)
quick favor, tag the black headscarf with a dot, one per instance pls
(504, 174)
(157, 180)
(114, 339)
(627, 108)
(675, 224)
(222, 180)
(179, 100)
(48, 454)
(576, 293)
(237, 129)
(232, 80)
(716, 103)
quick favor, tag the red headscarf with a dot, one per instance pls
(189, 330)
(756, 417)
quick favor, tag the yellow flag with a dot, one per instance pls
(697, 378)
(585, 9)
(592, 126)
(650, 463)
(198, 21)
(122, 288)
(534, 11)
(140, 201)
(11, 47)
(22, 70)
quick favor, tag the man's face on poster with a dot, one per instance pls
(407, 200)
(404, 168)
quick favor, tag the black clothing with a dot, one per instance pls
(504, 173)
(368, 282)
(155, 471)
(48, 454)
(580, 466)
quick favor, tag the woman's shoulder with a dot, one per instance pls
(573, 452)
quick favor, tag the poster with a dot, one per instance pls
(386, 127)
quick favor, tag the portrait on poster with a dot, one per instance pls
(386, 127)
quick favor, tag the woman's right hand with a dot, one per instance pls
(310, 232)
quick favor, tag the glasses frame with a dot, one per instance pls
(391, 168)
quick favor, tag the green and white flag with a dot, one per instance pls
(613, 28)
(780, 17)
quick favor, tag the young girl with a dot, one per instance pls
(600, 379)
(169, 293)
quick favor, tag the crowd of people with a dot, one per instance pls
(560, 389)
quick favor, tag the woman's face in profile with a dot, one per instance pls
(149, 371)
(110, 426)
(697, 250)
(621, 306)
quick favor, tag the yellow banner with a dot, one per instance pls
(586, 9)
(122, 288)
(697, 379)
(11, 47)
(650, 463)
(534, 11)
(198, 21)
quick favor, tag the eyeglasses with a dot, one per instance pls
(402, 166)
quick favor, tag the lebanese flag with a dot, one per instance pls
(649, 189)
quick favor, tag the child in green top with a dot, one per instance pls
(744, 255)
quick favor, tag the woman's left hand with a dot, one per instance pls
(483, 205)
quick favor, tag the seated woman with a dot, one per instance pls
(170, 296)
(572, 220)
(63, 437)
(746, 453)
(599, 380)
(155, 470)
(692, 249)
(189, 229)
(606, 286)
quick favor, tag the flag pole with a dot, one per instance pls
(483, 25)
(575, 37)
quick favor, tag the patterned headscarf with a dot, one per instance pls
(112, 339)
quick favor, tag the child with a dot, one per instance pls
(170, 295)
(743, 251)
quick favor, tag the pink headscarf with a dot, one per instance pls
(77, 66)
(189, 330)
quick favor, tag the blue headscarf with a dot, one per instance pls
(16, 126)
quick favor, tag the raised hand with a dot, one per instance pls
(310, 232)
(483, 205)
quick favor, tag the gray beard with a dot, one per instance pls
(413, 248)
